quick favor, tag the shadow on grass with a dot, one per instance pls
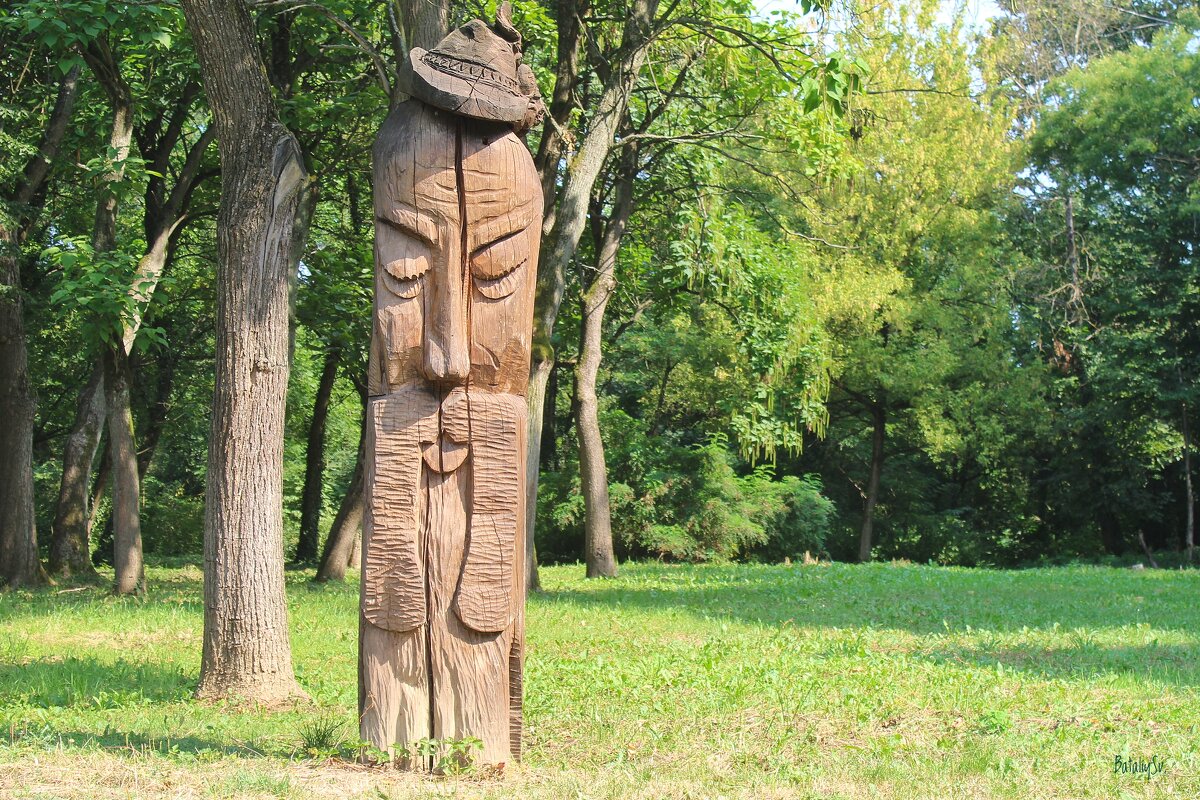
(134, 744)
(1172, 663)
(90, 683)
(917, 599)
(1074, 603)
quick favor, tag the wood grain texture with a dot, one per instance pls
(458, 214)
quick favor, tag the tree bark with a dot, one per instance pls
(314, 463)
(19, 564)
(70, 546)
(562, 101)
(549, 453)
(126, 514)
(342, 543)
(425, 22)
(156, 415)
(247, 650)
(569, 213)
(593, 472)
(70, 535)
(878, 432)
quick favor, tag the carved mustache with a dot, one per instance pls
(447, 448)
(413, 427)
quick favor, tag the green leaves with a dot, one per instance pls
(98, 288)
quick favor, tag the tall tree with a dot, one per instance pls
(1131, 163)
(19, 562)
(154, 109)
(247, 650)
(918, 262)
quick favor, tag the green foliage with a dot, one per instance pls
(99, 287)
(451, 756)
(172, 519)
(686, 503)
(322, 738)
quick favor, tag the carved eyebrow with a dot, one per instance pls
(505, 227)
(407, 219)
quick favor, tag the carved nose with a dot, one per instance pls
(446, 356)
(446, 361)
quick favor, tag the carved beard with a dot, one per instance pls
(418, 432)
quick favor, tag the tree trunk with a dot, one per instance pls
(879, 430)
(342, 543)
(19, 565)
(126, 513)
(1190, 531)
(156, 415)
(593, 472)
(314, 463)
(549, 453)
(540, 369)
(247, 650)
(563, 101)
(559, 245)
(69, 544)
(425, 22)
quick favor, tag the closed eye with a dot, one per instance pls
(499, 288)
(499, 258)
(405, 257)
(496, 267)
(402, 287)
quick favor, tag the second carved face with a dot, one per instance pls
(458, 208)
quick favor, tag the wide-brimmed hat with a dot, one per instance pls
(476, 71)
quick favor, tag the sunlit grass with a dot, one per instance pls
(890, 681)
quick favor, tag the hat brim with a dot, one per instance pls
(458, 95)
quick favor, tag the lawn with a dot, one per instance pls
(821, 681)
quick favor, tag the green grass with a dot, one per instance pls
(821, 681)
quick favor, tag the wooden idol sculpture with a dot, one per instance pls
(458, 215)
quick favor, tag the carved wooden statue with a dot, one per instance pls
(458, 213)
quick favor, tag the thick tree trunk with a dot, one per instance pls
(342, 543)
(569, 214)
(314, 463)
(247, 651)
(878, 432)
(126, 512)
(19, 565)
(593, 472)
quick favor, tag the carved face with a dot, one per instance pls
(458, 210)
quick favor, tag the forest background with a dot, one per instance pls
(858, 281)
